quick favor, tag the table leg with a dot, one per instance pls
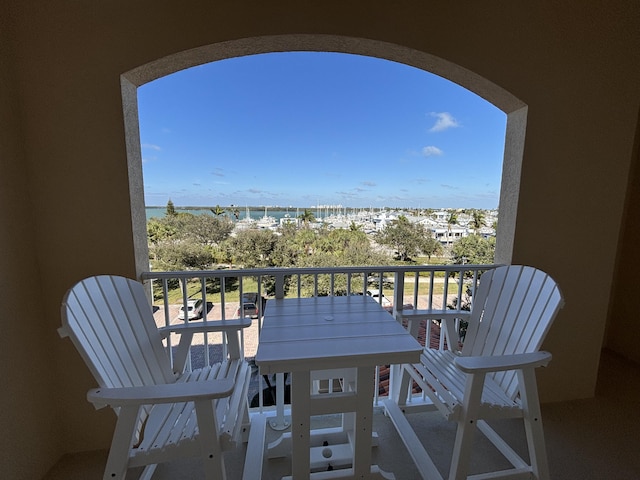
(279, 422)
(300, 424)
(363, 426)
(357, 425)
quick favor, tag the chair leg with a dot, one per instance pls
(462, 450)
(533, 424)
(212, 460)
(118, 459)
(466, 427)
(148, 472)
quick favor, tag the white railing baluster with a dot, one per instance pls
(167, 317)
(431, 288)
(302, 282)
(223, 313)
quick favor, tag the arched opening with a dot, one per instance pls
(515, 110)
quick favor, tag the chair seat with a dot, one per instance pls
(163, 414)
(444, 384)
(171, 424)
(491, 377)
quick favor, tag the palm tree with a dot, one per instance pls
(452, 220)
(478, 220)
(217, 211)
(307, 217)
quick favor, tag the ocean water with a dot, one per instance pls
(255, 214)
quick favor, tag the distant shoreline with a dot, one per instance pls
(234, 207)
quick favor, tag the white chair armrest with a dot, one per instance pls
(431, 314)
(448, 317)
(163, 393)
(486, 364)
(208, 326)
(187, 330)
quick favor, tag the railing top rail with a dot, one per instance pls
(312, 270)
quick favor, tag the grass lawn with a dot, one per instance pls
(194, 289)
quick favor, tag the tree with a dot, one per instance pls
(474, 249)
(159, 230)
(285, 252)
(305, 240)
(184, 255)
(217, 211)
(404, 237)
(183, 241)
(430, 246)
(478, 220)
(452, 220)
(171, 210)
(307, 217)
(207, 229)
(253, 248)
(335, 248)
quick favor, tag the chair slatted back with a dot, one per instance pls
(110, 322)
(513, 309)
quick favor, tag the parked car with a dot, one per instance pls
(250, 310)
(252, 301)
(379, 297)
(250, 297)
(194, 310)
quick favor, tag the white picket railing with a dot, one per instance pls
(417, 287)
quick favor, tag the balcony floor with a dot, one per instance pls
(586, 439)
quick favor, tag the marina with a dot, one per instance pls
(369, 220)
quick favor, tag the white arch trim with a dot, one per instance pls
(515, 109)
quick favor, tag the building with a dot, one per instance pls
(565, 73)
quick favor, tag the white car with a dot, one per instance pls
(194, 310)
(377, 296)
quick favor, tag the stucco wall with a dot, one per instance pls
(28, 392)
(623, 334)
(576, 69)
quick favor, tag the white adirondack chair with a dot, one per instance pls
(492, 377)
(162, 414)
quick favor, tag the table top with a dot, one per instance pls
(331, 332)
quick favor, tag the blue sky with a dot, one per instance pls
(301, 129)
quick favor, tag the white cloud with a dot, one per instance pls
(431, 150)
(151, 146)
(444, 121)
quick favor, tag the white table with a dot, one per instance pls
(352, 334)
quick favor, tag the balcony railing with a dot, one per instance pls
(224, 293)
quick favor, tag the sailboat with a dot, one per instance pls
(267, 221)
(246, 222)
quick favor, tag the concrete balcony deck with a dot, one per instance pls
(586, 439)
